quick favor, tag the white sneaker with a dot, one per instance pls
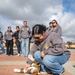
(18, 55)
(16, 70)
(4, 53)
(43, 72)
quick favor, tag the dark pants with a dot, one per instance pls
(9, 46)
(18, 44)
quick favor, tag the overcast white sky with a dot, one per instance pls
(14, 12)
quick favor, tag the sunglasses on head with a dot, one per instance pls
(53, 22)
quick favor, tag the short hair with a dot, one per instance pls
(50, 23)
(24, 21)
(17, 27)
(9, 27)
(38, 29)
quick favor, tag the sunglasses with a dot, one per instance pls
(37, 37)
(53, 22)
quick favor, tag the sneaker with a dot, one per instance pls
(5, 53)
(61, 72)
(8, 55)
(43, 73)
(18, 55)
(11, 55)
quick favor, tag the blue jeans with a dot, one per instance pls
(50, 62)
(2, 48)
(18, 44)
(25, 46)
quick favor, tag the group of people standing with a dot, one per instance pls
(20, 37)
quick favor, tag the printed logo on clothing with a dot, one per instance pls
(6, 33)
(22, 28)
(27, 28)
(46, 46)
(11, 33)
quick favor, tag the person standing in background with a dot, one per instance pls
(56, 27)
(24, 36)
(16, 39)
(1, 41)
(9, 41)
(50, 28)
(51, 25)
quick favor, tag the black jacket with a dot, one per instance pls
(16, 34)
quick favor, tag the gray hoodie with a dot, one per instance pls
(52, 44)
(49, 29)
(8, 35)
(25, 32)
(58, 30)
